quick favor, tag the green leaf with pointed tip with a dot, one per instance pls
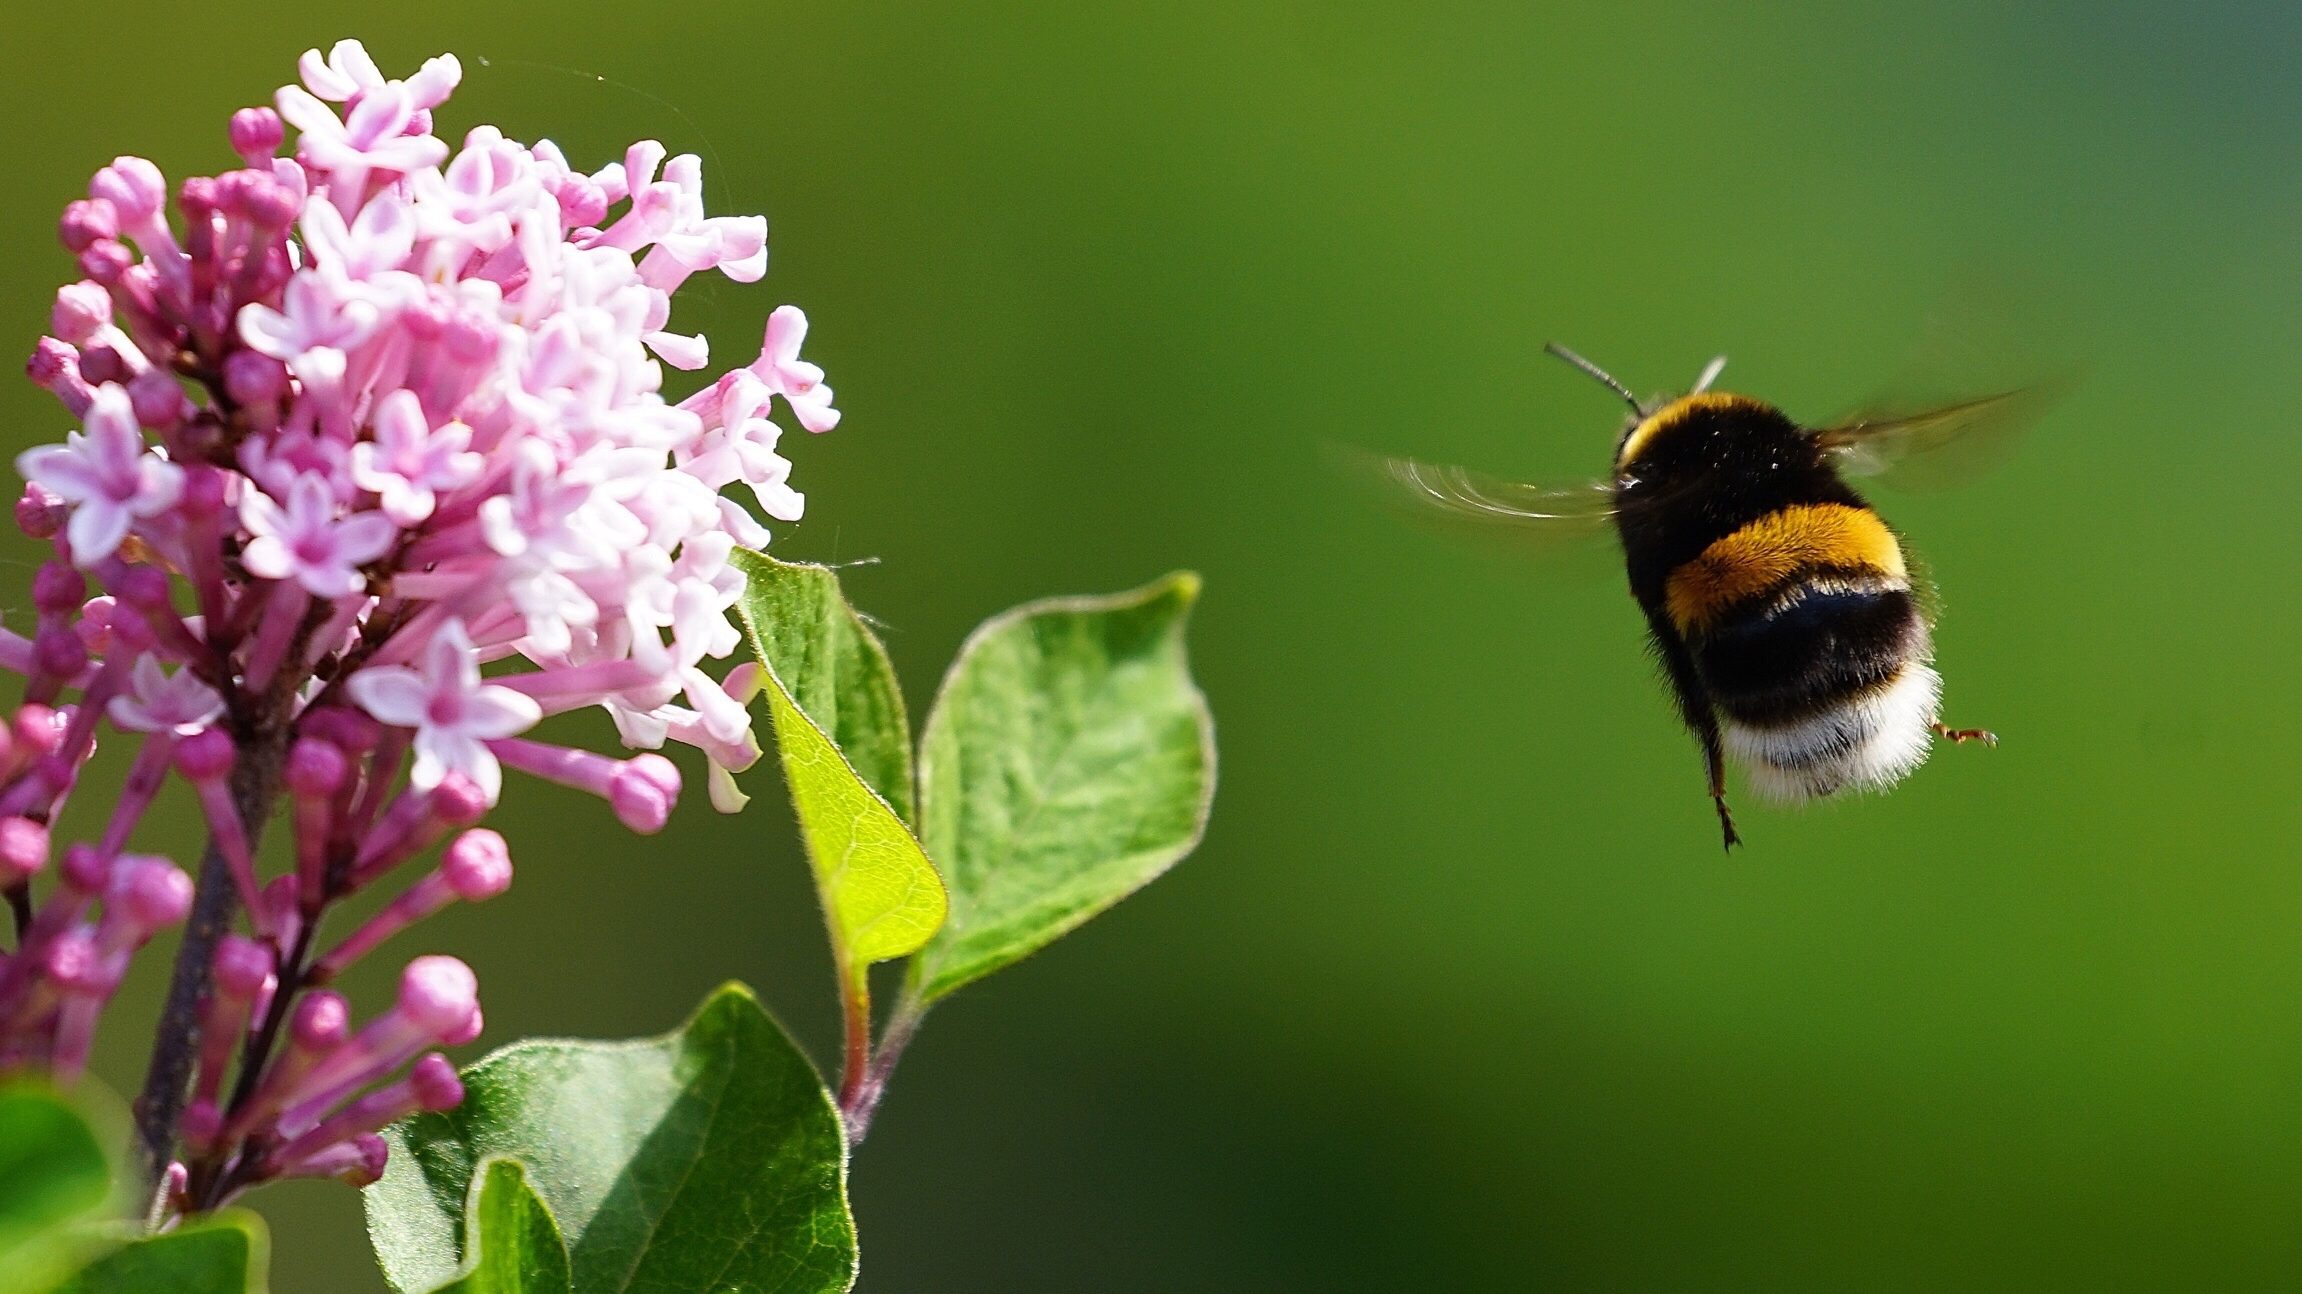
(1068, 760)
(52, 1170)
(707, 1159)
(881, 897)
(833, 667)
(512, 1242)
(222, 1253)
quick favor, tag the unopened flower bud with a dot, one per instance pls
(434, 1084)
(40, 512)
(133, 186)
(242, 966)
(81, 308)
(39, 730)
(206, 756)
(316, 768)
(459, 801)
(58, 652)
(150, 893)
(87, 222)
(643, 792)
(85, 871)
(253, 379)
(23, 849)
(438, 995)
(256, 134)
(321, 1021)
(478, 865)
(57, 589)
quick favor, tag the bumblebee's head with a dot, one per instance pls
(1669, 431)
(1646, 426)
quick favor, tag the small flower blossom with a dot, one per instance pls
(178, 704)
(453, 713)
(111, 476)
(352, 423)
(410, 463)
(308, 542)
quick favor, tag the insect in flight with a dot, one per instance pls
(1783, 609)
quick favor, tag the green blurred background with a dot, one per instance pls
(1459, 993)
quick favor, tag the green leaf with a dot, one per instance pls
(881, 897)
(709, 1159)
(832, 666)
(513, 1243)
(52, 1170)
(1068, 760)
(222, 1253)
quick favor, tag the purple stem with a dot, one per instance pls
(255, 782)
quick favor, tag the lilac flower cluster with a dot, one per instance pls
(355, 423)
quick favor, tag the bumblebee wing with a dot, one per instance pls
(1543, 513)
(1944, 445)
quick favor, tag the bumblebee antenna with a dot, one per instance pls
(1599, 373)
(1711, 373)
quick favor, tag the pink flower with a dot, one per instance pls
(307, 542)
(110, 474)
(155, 701)
(786, 374)
(410, 463)
(453, 713)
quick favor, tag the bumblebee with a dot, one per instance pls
(1782, 607)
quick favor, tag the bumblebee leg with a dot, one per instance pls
(1695, 710)
(1960, 736)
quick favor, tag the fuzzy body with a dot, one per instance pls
(1779, 602)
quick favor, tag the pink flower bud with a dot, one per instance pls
(87, 222)
(85, 872)
(321, 1021)
(156, 399)
(39, 730)
(359, 1161)
(205, 757)
(133, 186)
(106, 260)
(316, 769)
(73, 962)
(39, 512)
(151, 893)
(58, 652)
(458, 801)
(355, 733)
(256, 134)
(472, 1026)
(81, 309)
(242, 966)
(57, 589)
(438, 995)
(102, 365)
(253, 379)
(267, 204)
(434, 1084)
(478, 865)
(23, 849)
(95, 624)
(643, 792)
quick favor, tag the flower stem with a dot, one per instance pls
(859, 1100)
(167, 1082)
(855, 1064)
